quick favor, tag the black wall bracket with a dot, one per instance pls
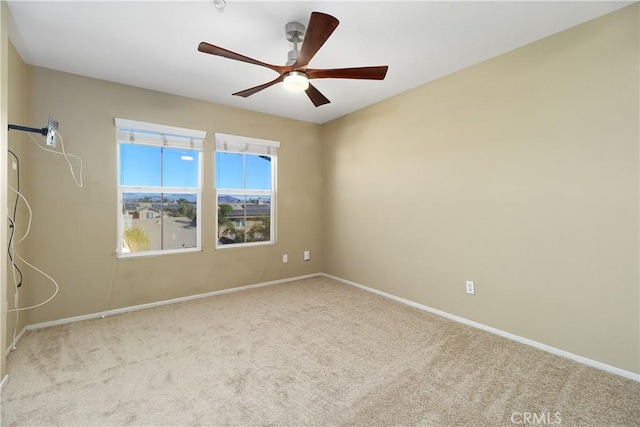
(42, 131)
(48, 132)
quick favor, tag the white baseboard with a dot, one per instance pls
(15, 342)
(161, 303)
(589, 362)
(4, 382)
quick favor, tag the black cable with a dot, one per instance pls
(13, 224)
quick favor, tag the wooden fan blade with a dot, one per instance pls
(320, 27)
(219, 51)
(316, 97)
(367, 73)
(248, 92)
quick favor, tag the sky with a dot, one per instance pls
(229, 167)
(142, 165)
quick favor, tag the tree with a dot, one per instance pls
(136, 239)
(225, 225)
(186, 209)
(260, 230)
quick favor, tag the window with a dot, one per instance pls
(245, 181)
(159, 182)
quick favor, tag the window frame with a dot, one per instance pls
(270, 150)
(163, 131)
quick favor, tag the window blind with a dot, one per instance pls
(242, 144)
(135, 132)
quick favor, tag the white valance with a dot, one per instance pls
(135, 132)
(242, 144)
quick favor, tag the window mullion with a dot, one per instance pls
(162, 198)
(244, 186)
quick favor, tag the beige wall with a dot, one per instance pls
(4, 83)
(17, 114)
(74, 229)
(520, 173)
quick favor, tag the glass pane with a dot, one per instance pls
(180, 168)
(243, 219)
(179, 221)
(231, 219)
(139, 165)
(258, 170)
(258, 226)
(229, 170)
(156, 221)
(141, 222)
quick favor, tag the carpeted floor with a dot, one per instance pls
(313, 352)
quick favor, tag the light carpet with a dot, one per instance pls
(313, 352)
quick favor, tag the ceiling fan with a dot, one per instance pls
(295, 75)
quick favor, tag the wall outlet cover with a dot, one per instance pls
(470, 287)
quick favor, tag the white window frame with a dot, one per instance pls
(143, 133)
(245, 145)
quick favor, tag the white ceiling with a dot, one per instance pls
(153, 44)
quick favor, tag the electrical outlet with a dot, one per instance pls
(52, 129)
(285, 258)
(471, 289)
(306, 256)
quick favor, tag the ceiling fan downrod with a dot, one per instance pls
(295, 34)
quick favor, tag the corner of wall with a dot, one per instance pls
(4, 84)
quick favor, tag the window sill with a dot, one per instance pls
(146, 254)
(243, 245)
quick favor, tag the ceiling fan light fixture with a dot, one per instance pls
(296, 81)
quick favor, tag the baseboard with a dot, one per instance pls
(4, 382)
(15, 342)
(553, 350)
(161, 303)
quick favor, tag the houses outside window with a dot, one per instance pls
(159, 188)
(245, 182)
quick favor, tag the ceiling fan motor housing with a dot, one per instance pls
(292, 57)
